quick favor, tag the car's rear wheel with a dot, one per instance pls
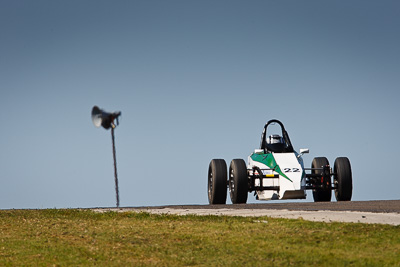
(322, 191)
(343, 179)
(238, 181)
(217, 181)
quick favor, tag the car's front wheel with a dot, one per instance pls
(217, 181)
(322, 185)
(238, 181)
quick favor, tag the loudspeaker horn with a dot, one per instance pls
(103, 118)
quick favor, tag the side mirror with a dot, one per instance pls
(304, 151)
(258, 151)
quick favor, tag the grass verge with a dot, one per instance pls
(83, 237)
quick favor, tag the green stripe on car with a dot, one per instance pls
(269, 161)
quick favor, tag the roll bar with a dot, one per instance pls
(288, 146)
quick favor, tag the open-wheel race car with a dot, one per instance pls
(276, 171)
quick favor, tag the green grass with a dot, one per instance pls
(82, 237)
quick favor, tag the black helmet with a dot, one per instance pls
(275, 143)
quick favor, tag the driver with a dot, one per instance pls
(275, 143)
(275, 139)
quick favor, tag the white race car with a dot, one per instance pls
(276, 171)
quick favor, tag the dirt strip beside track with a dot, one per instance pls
(381, 211)
(320, 216)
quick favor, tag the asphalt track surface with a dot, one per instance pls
(377, 206)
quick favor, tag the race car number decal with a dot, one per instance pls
(291, 169)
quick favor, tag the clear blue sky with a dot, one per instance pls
(195, 80)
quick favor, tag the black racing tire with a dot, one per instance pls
(320, 194)
(343, 179)
(217, 182)
(238, 181)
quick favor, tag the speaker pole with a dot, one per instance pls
(115, 164)
(106, 119)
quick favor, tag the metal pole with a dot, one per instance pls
(115, 166)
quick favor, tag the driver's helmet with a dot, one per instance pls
(275, 139)
(275, 143)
